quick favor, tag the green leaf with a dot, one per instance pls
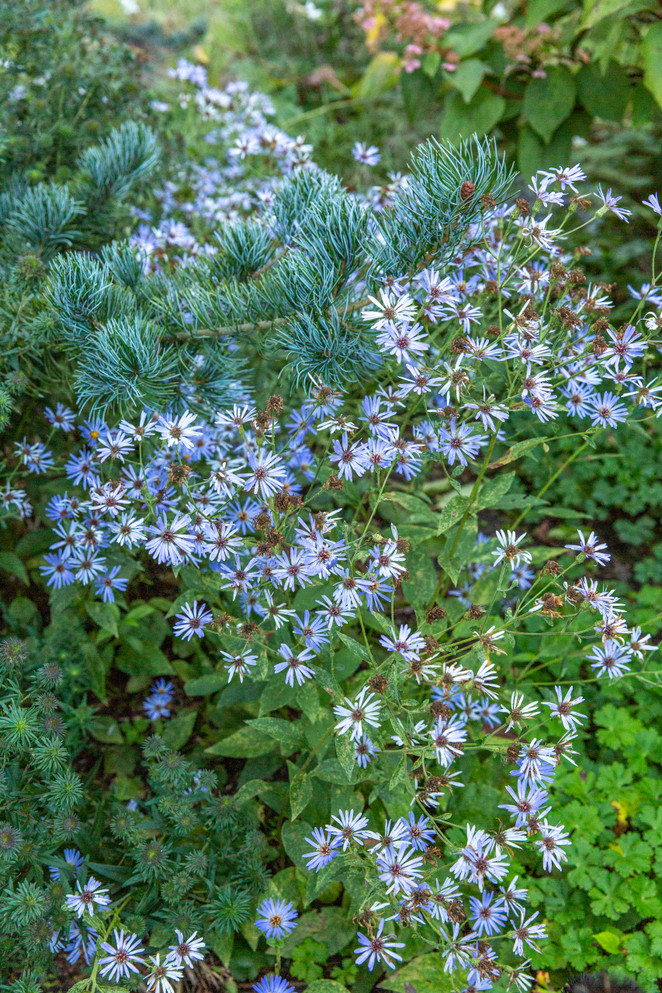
(480, 116)
(294, 836)
(516, 451)
(11, 564)
(326, 986)
(604, 94)
(301, 790)
(547, 102)
(178, 730)
(289, 736)
(597, 10)
(431, 63)
(541, 10)
(380, 76)
(105, 615)
(491, 492)
(207, 684)
(467, 77)
(466, 39)
(611, 941)
(425, 973)
(345, 753)
(452, 513)
(422, 582)
(421, 511)
(651, 49)
(105, 729)
(243, 744)
(356, 650)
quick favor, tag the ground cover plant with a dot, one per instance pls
(289, 694)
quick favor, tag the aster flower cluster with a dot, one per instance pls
(335, 523)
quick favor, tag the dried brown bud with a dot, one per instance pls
(439, 709)
(523, 207)
(475, 611)
(431, 855)
(435, 613)
(492, 287)
(551, 568)
(577, 276)
(493, 329)
(377, 683)
(249, 629)
(333, 483)
(431, 643)
(262, 521)
(459, 345)
(220, 622)
(263, 420)
(558, 270)
(275, 404)
(402, 545)
(488, 201)
(513, 752)
(178, 472)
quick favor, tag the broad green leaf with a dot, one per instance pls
(11, 564)
(301, 790)
(356, 650)
(346, 757)
(547, 102)
(597, 10)
(452, 513)
(329, 926)
(611, 941)
(178, 729)
(491, 493)
(243, 744)
(467, 77)
(461, 120)
(604, 94)
(294, 836)
(417, 91)
(326, 986)
(222, 946)
(541, 10)
(466, 39)
(318, 881)
(380, 76)
(516, 451)
(249, 790)
(205, 685)
(284, 732)
(431, 63)
(420, 511)
(105, 729)
(422, 582)
(651, 48)
(425, 973)
(105, 615)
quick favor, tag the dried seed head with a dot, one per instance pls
(378, 683)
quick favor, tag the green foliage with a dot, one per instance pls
(66, 84)
(604, 912)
